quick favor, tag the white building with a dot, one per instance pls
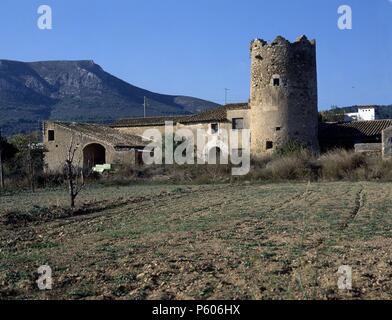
(363, 114)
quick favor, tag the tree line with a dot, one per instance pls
(22, 164)
(21, 161)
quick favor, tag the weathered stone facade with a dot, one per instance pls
(373, 149)
(224, 123)
(387, 143)
(94, 145)
(283, 95)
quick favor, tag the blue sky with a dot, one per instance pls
(200, 47)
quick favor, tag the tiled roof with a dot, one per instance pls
(105, 134)
(149, 121)
(216, 114)
(353, 129)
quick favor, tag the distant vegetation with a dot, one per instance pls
(23, 161)
(336, 114)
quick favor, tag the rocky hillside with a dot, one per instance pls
(76, 91)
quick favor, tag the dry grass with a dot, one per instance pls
(342, 165)
(299, 165)
(336, 165)
(295, 165)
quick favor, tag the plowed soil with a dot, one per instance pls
(249, 241)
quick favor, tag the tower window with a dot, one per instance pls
(238, 123)
(269, 145)
(276, 82)
(214, 128)
(278, 128)
(50, 135)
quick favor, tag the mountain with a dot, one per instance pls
(77, 91)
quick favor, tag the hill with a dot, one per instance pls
(77, 91)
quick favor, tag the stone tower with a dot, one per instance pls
(283, 98)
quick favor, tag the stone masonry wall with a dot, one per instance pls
(195, 126)
(57, 150)
(283, 97)
(387, 143)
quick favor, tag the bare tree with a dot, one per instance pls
(30, 163)
(73, 173)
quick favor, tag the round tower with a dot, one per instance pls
(283, 98)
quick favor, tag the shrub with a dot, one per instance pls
(379, 170)
(343, 165)
(294, 166)
(289, 148)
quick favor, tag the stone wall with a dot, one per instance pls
(368, 148)
(193, 127)
(57, 150)
(283, 98)
(387, 143)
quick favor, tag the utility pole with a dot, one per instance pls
(226, 91)
(145, 105)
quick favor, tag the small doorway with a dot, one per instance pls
(93, 154)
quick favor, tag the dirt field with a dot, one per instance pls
(278, 241)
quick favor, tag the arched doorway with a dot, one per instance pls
(93, 154)
(214, 155)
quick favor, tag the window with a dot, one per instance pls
(269, 145)
(50, 135)
(278, 128)
(276, 82)
(238, 123)
(214, 128)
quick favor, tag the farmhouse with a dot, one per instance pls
(282, 108)
(94, 144)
